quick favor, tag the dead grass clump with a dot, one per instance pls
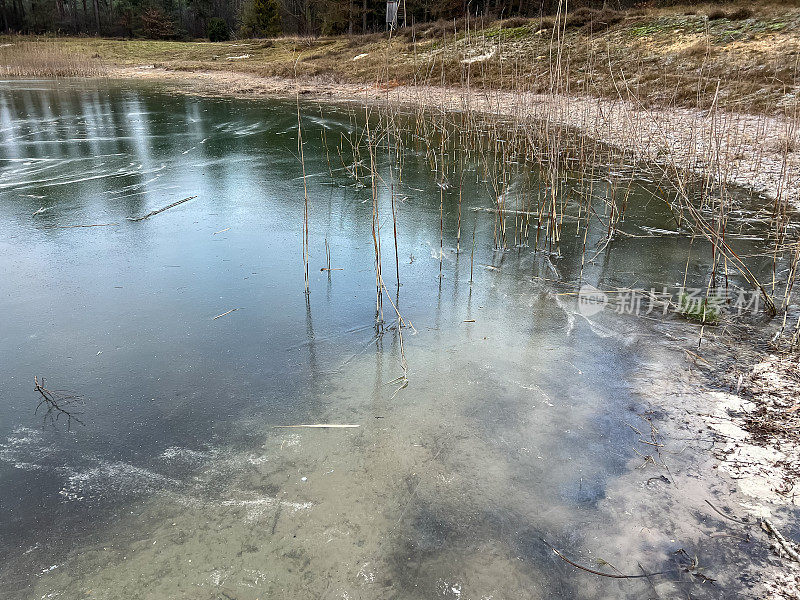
(605, 20)
(591, 19)
(515, 22)
(581, 17)
(741, 14)
(545, 24)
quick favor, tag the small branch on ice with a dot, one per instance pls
(160, 210)
(593, 572)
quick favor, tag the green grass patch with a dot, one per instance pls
(691, 24)
(699, 310)
(511, 33)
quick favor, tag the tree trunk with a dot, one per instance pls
(96, 4)
(5, 16)
(350, 18)
(364, 17)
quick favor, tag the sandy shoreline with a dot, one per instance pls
(755, 152)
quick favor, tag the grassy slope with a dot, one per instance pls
(665, 57)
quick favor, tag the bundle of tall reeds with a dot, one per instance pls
(525, 146)
(46, 59)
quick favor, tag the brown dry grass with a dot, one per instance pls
(43, 59)
(662, 57)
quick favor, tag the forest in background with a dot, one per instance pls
(219, 20)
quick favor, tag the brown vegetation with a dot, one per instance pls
(42, 59)
(661, 57)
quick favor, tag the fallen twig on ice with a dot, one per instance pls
(592, 571)
(160, 210)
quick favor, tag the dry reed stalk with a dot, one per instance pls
(472, 250)
(305, 198)
(376, 239)
(394, 228)
(441, 207)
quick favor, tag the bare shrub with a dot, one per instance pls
(157, 24)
